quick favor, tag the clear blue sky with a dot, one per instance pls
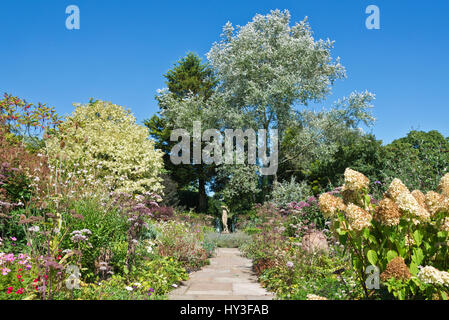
(124, 47)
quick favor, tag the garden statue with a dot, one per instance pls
(224, 219)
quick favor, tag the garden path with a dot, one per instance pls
(228, 277)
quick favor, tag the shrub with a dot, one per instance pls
(286, 192)
(107, 226)
(184, 242)
(229, 240)
(164, 213)
(105, 136)
(407, 225)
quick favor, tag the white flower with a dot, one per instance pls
(129, 288)
(33, 229)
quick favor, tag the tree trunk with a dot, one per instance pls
(202, 201)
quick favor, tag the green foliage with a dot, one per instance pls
(286, 192)
(108, 227)
(160, 273)
(190, 85)
(420, 159)
(363, 153)
(237, 182)
(190, 75)
(183, 242)
(229, 240)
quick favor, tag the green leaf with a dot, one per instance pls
(418, 256)
(417, 235)
(391, 255)
(366, 233)
(372, 257)
(413, 268)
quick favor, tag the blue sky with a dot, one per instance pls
(124, 47)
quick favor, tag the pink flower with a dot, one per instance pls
(5, 271)
(13, 238)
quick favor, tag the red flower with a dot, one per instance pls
(20, 269)
(20, 291)
(19, 276)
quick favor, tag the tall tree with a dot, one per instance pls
(268, 68)
(190, 85)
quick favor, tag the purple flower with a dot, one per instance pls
(290, 264)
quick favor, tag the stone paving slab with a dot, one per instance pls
(228, 277)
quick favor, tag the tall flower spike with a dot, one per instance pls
(355, 180)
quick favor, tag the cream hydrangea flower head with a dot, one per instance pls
(445, 224)
(387, 212)
(420, 197)
(329, 205)
(355, 180)
(396, 188)
(357, 217)
(431, 275)
(444, 185)
(410, 206)
(433, 202)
